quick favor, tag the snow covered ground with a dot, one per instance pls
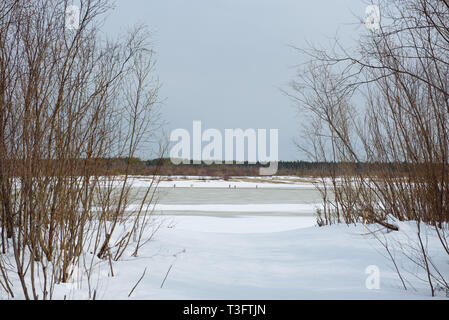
(231, 182)
(253, 243)
(255, 258)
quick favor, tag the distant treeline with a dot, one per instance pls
(164, 166)
(298, 168)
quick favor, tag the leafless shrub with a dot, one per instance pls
(68, 100)
(382, 114)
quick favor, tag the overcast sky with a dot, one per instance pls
(223, 61)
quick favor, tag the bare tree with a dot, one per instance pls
(382, 114)
(69, 99)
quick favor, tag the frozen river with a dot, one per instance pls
(231, 202)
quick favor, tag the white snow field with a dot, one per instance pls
(263, 243)
(254, 258)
